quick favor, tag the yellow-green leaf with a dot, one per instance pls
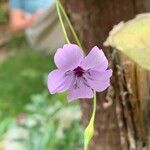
(133, 39)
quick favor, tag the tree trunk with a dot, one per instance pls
(122, 110)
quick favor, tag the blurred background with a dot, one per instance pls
(31, 118)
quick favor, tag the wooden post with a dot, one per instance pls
(124, 124)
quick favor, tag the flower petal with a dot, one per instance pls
(82, 91)
(95, 59)
(58, 82)
(99, 81)
(68, 57)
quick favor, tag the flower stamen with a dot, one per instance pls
(78, 71)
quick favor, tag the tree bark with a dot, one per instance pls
(122, 116)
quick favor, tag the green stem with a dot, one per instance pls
(89, 131)
(94, 106)
(86, 146)
(61, 22)
(69, 23)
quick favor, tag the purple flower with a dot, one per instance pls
(79, 75)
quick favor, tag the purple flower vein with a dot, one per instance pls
(79, 75)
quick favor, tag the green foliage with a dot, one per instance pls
(51, 125)
(21, 75)
(133, 39)
(18, 41)
(3, 13)
(4, 124)
(3, 17)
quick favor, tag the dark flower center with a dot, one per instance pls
(78, 71)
